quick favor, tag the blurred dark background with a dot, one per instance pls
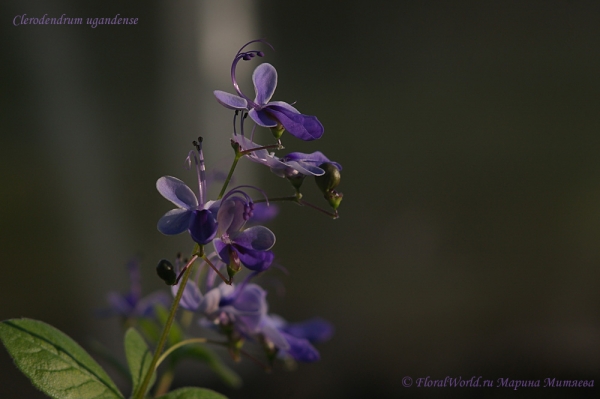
(468, 131)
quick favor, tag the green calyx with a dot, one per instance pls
(277, 131)
(296, 181)
(234, 265)
(334, 198)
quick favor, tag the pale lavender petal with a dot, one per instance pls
(175, 221)
(250, 299)
(249, 305)
(305, 168)
(191, 298)
(226, 289)
(221, 249)
(265, 82)
(304, 127)
(270, 331)
(316, 158)
(230, 216)
(210, 303)
(230, 101)
(262, 118)
(258, 238)
(177, 192)
(285, 105)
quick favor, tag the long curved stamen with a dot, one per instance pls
(200, 170)
(255, 188)
(248, 204)
(235, 114)
(246, 56)
(193, 154)
(233, 192)
(242, 120)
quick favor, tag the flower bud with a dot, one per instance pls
(166, 271)
(330, 180)
(278, 130)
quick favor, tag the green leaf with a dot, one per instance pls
(193, 393)
(55, 363)
(139, 358)
(204, 354)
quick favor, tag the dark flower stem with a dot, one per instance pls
(141, 393)
(298, 199)
(239, 154)
(226, 281)
(277, 146)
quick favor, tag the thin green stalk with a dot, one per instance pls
(140, 394)
(233, 165)
(291, 198)
(179, 345)
(298, 199)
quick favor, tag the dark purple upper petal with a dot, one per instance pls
(255, 260)
(262, 118)
(304, 127)
(252, 259)
(203, 226)
(265, 82)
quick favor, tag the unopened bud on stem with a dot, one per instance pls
(166, 271)
(330, 180)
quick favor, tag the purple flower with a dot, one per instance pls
(263, 111)
(288, 166)
(191, 213)
(233, 244)
(241, 307)
(132, 304)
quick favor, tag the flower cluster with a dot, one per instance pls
(230, 223)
